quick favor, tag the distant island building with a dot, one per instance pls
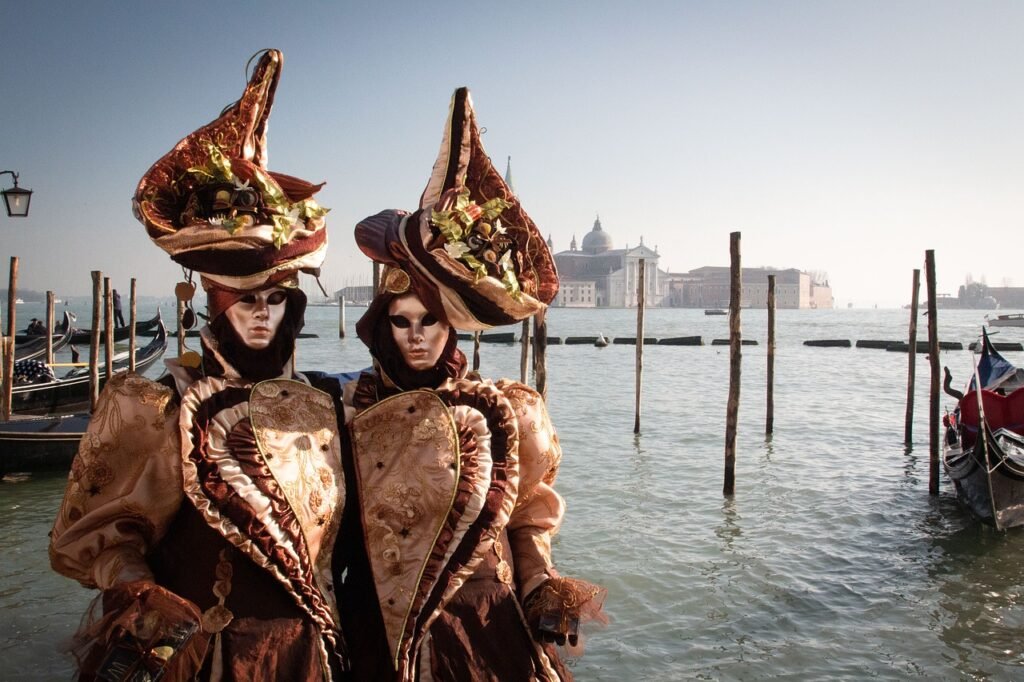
(596, 275)
(708, 287)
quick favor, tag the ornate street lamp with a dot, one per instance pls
(16, 199)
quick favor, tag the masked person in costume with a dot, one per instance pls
(205, 506)
(456, 504)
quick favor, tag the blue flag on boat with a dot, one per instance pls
(992, 367)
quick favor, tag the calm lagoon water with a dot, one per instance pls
(831, 561)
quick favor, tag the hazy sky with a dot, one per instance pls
(846, 137)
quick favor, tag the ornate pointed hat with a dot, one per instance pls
(470, 251)
(212, 205)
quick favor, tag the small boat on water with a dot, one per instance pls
(28, 347)
(142, 328)
(71, 392)
(983, 446)
(716, 311)
(40, 443)
(1012, 320)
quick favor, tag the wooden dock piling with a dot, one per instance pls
(132, 314)
(908, 429)
(181, 327)
(341, 316)
(476, 351)
(524, 356)
(49, 328)
(8, 346)
(769, 419)
(108, 327)
(94, 340)
(933, 358)
(735, 355)
(640, 300)
(540, 349)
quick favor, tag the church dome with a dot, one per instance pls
(597, 240)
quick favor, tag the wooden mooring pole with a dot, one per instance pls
(376, 278)
(49, 327)
(769, 419)
(641, 265)
(181, 327)
(933, 359)
(735, 342)
(540, 349)
(476, 351)
(908, 428)
(108, 328)
(8, 346)
(341, 316)
(524, 355)
(94, 340)
(132, 314)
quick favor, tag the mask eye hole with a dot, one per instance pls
(245, 199)
(429, 320)
(399, 321)
(248, 299)
(277, 298)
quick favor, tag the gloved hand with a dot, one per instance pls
(145, 632)
(554, 609)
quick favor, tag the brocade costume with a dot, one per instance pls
(229, 497)
(457, 515)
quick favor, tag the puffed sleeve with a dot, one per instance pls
(539, 509)
(124, 488)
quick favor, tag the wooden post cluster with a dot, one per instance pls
(933, 357)
(8, 346)
(908, 429)
(640, 300)
(735, 342)
(94, 340)
(769, 419)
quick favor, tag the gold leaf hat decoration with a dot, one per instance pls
(471, 251)
(213, 206)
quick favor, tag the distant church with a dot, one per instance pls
(599, 276)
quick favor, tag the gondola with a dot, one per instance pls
(983, 447)
(32, 347)
(120, 333)
(40, 443)
(71, 392)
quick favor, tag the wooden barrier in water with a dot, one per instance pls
(924, 346)
(735, 357)
(728, 342)
(829, 343)
(681, 341)
(933, 356)
(908, 428)
(1004, 346)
